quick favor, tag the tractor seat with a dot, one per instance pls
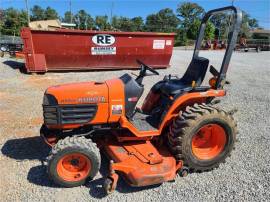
(195, 73)
(173, 87)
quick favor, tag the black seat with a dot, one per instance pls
(174, 87)
(196, 72)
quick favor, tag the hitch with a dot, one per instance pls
(110, 182)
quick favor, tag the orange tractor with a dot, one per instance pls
(177, 130)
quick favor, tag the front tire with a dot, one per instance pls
(202, 137)
(73, 161)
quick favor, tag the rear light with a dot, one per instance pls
(213, 81)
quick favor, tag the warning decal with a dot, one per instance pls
(168, 42)
(158, 44)
(117, 109)
(103, 50)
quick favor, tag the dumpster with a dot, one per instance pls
(65, 49)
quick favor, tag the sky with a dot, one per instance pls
(259, 9)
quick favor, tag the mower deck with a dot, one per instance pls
(141, 163)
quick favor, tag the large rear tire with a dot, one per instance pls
(202, 137)
(73, 161)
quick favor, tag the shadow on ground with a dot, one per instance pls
(33, 148)
(97, 191)
(30, 148)
(95, 186)
(15, 65)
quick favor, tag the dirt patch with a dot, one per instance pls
(13, 118)
(41, 82)
(3, 95)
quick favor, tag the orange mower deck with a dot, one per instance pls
(141, 163)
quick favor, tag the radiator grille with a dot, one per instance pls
(68, 114)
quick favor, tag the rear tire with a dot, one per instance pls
(73, 161)
(202, 137)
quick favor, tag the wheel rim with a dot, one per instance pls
(73, 167)
(209, 141)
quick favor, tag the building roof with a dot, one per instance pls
(260, 31)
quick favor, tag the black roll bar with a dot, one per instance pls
(232, 38)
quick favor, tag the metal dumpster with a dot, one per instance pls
(65, 49)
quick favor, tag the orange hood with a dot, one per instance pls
(80, 93)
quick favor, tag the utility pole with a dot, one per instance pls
(70, 11)
(112, 12)
(85, 23)
(79, 22)
(232, 2)
(27, 10)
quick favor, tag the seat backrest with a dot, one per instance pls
(196, 71)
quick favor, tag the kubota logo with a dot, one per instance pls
(103, 39)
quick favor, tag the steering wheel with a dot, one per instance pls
(143, 70)
(145, 67)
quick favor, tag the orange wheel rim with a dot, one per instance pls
(209, 142)
(73, 167)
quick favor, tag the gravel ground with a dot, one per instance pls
(244, 177)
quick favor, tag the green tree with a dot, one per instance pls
(189, 12)
(37, 13)
(190, 15)
(163, 21)
(137, 24)
(50, 14)
(114, 22)
(253, 23)
(150, 24)
(221, 22)
(102, 23)
(67, 17)
(209, 31)
(12, 20)
(121, 23)
(84, 20)
(1, 19)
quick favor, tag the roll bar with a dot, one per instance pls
(232, 38)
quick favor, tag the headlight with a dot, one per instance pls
(3, 48)
(49, 100)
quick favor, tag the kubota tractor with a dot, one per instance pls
(178, 129)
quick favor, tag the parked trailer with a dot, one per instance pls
(10, 44)
(65, 49)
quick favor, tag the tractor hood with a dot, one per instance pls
(77, 93)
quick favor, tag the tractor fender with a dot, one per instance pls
(116, 95)
(188, 99)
